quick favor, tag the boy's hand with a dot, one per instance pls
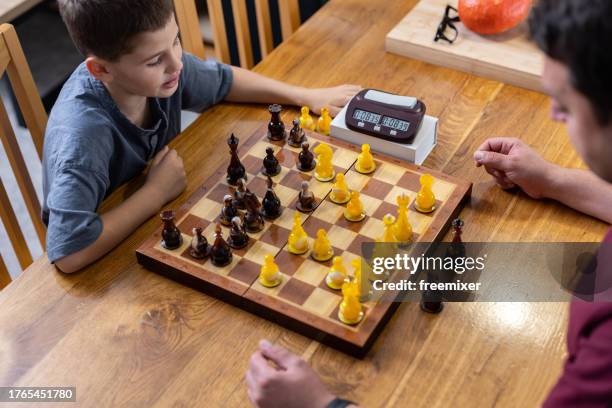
(334, 98)
(166, 177)
(512, 163)
(288, 382)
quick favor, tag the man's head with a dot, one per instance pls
(578, 73)
(131, 44)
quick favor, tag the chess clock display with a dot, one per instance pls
(385, 116)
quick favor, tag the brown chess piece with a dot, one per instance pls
(270, 162)
(253, 219)
(276, 128)
(239, 193)
(199, 248)
(236, 169)
(306, 199)
(220, 253)
(238, 237)
(306, 161)
(271, 204)
(228, 211)
(171, 236)
(296, 135)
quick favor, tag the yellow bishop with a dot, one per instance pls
(306, 121)
(340, 193)
(426, 200)
(365, 160)
(322, 250)
(324, 170)
(269, 275)
(354, 211)
(350, 311)
(324, 122)
(402, 228)
(298, 239)
(337, 274)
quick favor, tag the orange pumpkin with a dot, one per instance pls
(493, 16)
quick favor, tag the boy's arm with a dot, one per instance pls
(248, 86)
(166, 180)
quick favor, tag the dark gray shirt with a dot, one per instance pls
(91, 148)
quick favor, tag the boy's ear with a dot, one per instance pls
(98, 69)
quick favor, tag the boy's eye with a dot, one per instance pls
(155, 63)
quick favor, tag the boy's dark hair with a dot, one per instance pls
(575, 33)
(105, 28)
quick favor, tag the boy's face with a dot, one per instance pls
(152, 68)
(592, 140)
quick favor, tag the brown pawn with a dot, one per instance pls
(271, 165)
(306, 161)
(220, 253)
(238, 237)
(239, 193)
(236, 169)
(271, 204)
(296, 135)
(228, 211)
(276, 128)
(306, 199)
(199, 248)
(171, 236)
(253, 219)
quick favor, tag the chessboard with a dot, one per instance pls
(303, 302)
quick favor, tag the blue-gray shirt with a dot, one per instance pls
(91, 148)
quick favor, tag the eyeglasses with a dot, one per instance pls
(448, 21)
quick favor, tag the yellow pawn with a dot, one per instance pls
(340, 193)
(322, 250)
(354, 211)
(324, 122)
(350, 311)
(425, 200)
(365, 161)
(337, 274)
(306, 121)
(269, 275)
(389, 235)
(298, 239)
(324, 170)
(402, 228)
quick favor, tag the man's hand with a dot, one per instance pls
(333, 98)
(288, 382)
(166, 178)
(512, 163)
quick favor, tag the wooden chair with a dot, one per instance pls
(189, 26)
(13, 63)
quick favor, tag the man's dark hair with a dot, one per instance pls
(105, 28)
(576, 33)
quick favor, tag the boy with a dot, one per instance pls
(119, 110)
(577, 76)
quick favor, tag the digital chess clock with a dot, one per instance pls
(386, 116)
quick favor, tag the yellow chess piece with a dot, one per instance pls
(350, 311)
(324, 170)
(324, 122)
(402, 228)
(389, 235)
(269, 275)
(426, 200)
(322, 250)
(354, 211)
(365, 161)
(340, 193)
(298, 239)
(337, 274)
(306, 121)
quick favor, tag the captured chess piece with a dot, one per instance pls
(235, 170)
(270, 276)
(271, 204)
(238, 237)
(340, 193)
(337, 274)
(239, 193)
(365, 160)
(426, 200)
(297, 136)
(322, 250)
(228, 211)
(270, 162)
(402, 228)
(306, 121)
(171, 236)
(253, 219)
(199, 248)
(324, 122)
(324, 170)
(276, 128)
(354, 211)
(456, 248)
(306, 200)
(306, 161)
(431, 301)
(220, 253)
(350, 311)
(298, 239)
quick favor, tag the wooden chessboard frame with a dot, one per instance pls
(345, 338)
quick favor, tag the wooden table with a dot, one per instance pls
(126, 336)
(11, 9)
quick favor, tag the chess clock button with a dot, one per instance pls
(361, 124)
(393, 133)
(377, 128)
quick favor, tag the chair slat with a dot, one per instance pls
(5, 278)
(13, 230)
(243, 33)
(189, 26)
(290, 17)
(217, 21)
(264, 27)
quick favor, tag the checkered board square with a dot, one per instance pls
(303, 301)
